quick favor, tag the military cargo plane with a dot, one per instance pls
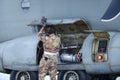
(84, 54)
(89, 49)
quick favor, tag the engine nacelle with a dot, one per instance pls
(100, 53)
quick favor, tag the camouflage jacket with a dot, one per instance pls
(51, 43)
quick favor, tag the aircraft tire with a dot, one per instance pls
(88, 76)
(71, 75)
(23, 75)
(104, 77)
(113, 77)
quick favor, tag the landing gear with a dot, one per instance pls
(71, 75)
(105, 77)
(113, 77)
(81, 75)
(23, 75)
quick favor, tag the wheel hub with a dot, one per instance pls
(22, 78)
(71, 78)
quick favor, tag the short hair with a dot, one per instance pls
(49, 29)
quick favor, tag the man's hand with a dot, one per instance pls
(43, 21)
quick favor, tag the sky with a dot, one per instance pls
(7, 77)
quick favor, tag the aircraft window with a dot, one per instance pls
(102, 48)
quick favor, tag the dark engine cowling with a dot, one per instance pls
(40, 51)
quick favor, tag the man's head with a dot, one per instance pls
(49, 29)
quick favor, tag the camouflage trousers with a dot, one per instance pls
(48, 64)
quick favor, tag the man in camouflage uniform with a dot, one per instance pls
(51, 43)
